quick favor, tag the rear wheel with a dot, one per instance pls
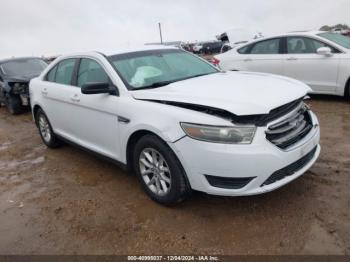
(47, 135)
(159, 171)
(14, 104)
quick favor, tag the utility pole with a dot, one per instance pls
(160, 33)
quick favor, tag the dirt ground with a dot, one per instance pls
(67, 201)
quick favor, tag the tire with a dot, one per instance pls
(167, 169)
(14, 104)
(347, 90)
(45, 130)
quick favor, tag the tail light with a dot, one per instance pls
(215, 61)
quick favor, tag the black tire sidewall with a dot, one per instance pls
(179, 188)
(13, 104)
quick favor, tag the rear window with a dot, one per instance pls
(244, 50)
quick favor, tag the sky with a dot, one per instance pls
(53, 27)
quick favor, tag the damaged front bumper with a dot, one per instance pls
(25, 99)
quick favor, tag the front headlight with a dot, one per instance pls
(218, 134)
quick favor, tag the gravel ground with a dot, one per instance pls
(67, 201)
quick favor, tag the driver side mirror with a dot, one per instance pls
(326, 51)
(98, 88)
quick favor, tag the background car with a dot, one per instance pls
(210, 48)
(319, 59)
(228, 46)
(188, 47)
(15, 75)
(197, 48)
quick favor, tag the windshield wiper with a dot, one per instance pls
(199, 75)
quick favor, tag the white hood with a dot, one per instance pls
(240, 93)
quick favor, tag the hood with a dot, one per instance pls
(20, 78)
(240, 93)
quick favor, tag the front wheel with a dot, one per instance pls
(14, 104)
(159, 171)
(47, 135)
(347, 90)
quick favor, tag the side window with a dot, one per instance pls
(51, 75)
(64, 72)
(319, 44)
(266, 47)
(245, 49)
(91, 72)
(305, 45)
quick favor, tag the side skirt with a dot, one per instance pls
(98, 155)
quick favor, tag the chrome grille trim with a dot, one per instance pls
(276, 129)
(291, 128)
(292, 134)
(288, 115)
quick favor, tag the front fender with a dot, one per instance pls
(160, 119)
(165, 136)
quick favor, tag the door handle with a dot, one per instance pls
(292, 59)
(75, 98)
(248, 60)
(44, 92)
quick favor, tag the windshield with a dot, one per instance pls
(337, 38)
(151, 69)
(23, 67)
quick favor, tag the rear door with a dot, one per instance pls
(302, 62)
(265, 56)
(58, 95)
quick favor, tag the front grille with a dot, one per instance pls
(291, 169)
(291, 129)
(281, 111)
(229, 183)
(263, 120)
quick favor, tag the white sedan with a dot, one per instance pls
(319, 59)
(178, 122)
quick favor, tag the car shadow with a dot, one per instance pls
(328, 98)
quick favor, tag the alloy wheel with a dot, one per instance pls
(155, 171)
(44, 128)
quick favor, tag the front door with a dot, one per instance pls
(302, 62)
(95, 118)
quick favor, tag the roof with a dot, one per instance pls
(298, 33)
(135, 49)
(301, 33)
(305, 32)
(118, 51)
